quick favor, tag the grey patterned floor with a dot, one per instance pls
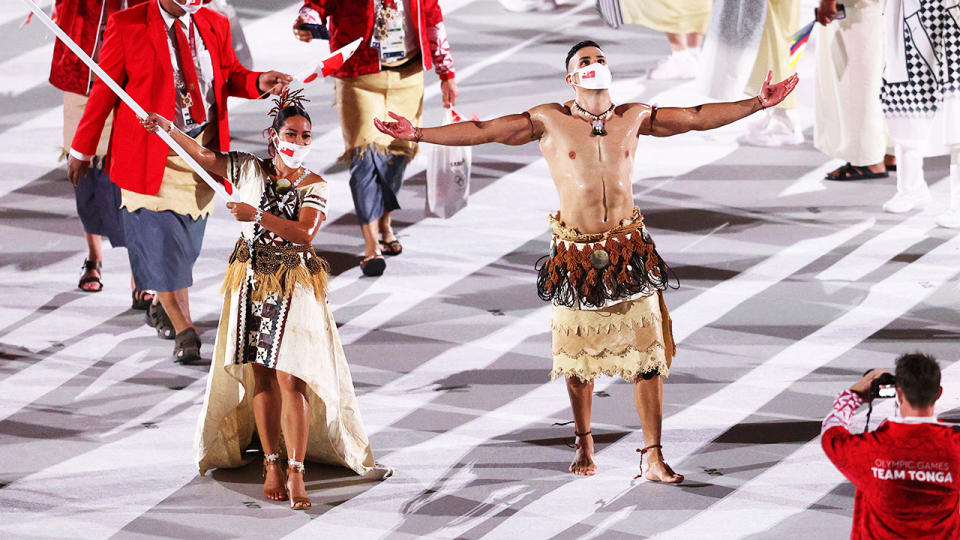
(790, 288)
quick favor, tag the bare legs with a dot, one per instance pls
(295, 419)
(386, 228)
(679, 42)
(581, 400)
(280, 403)
(648, 398)
(266, 412)
(373, 232)
(177, 305)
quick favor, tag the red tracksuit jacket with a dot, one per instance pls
(907, 474)
(348, 20)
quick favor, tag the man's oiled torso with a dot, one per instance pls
(591, 172)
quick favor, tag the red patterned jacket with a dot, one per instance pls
(907, 473)
(80, 19)
(347, 20)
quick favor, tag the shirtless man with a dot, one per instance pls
(603, 274)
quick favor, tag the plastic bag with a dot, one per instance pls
(448, 175)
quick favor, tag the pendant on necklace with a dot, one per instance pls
(598, 128)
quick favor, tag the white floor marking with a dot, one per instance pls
(27, 70)
(877, 251)
(812, 181)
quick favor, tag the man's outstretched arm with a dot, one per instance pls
(513, 129)
(675, 120)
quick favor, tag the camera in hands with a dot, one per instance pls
(884, 386)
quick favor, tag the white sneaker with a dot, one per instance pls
(774, 133)
(692, 62)
(902, 203)
(675, 66)
(949, 219)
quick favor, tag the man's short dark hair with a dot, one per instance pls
(577, 47)
(918, 377)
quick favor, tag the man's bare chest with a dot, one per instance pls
(572, 138)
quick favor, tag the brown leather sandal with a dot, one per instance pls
(296, 503)
(186, 348)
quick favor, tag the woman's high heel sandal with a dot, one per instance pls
(274, 461)
(296, 503)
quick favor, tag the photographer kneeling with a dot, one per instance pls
(907, 472)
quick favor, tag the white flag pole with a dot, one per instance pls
(140, 112)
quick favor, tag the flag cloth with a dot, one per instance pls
(332, 63)
(798, 42)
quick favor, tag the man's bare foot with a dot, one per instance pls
(583, 464)
(658, 470)
(273, 481)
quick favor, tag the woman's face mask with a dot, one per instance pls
(592, 77)
(190, 6)
(291, 154)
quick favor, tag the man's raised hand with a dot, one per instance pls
(402, 129)
(772, 94)
(273, 82)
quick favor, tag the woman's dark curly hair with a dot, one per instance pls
(286, 105)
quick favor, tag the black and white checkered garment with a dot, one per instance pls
(927, 86)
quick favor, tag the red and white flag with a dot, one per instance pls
(331, 64)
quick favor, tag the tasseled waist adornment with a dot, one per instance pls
(276, 269)
(598, 270)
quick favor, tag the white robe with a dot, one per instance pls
(849, 122)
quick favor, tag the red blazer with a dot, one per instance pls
(136, 55)
(349, 19)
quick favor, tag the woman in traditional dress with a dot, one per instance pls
(278, 365)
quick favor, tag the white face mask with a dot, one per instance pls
(592, 77)
(190, 6)
(291, 154)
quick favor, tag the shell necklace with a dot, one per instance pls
(598, 119)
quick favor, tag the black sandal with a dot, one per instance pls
(373, 266)
(186, 348)
(391, 248)
(141, 299)
(850, 172)
(158, 319)
(90, 266)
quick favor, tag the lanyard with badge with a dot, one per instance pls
(388, 35)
